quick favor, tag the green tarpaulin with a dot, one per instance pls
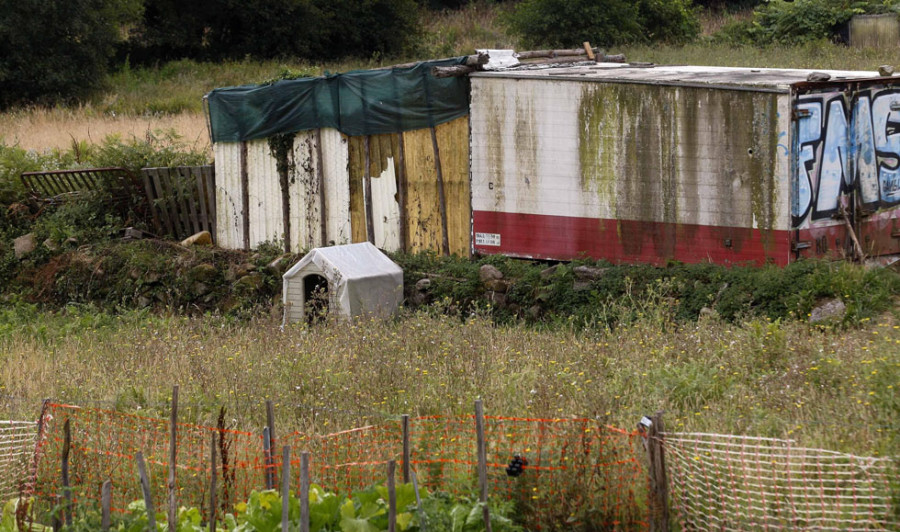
(365, 102)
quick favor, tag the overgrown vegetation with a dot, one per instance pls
(568, 23)
(587, 293)
(801, 21)
(364, 511)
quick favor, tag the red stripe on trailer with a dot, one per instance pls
(566, 238)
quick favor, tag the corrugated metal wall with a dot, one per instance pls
(629, 172)
(402, 200)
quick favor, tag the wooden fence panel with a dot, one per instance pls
(182, 199)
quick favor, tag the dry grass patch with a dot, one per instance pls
(60, 128)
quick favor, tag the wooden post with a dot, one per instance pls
(659, 492)
(442, 198)
(406, 452)
(145, 489)
(245, 197)
(285, 486)
(173, 452)
(270, 422)
(304, 491)
(67, 492)
(213, 481)
(267, 457)
(392, 496)
(367, 195)
(482, 462)
(589, 51)
(105, 505)
(56, 525)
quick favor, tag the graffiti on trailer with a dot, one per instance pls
(841, 151)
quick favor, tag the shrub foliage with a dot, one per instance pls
(564, 23)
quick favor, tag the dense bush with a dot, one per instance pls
(563, 23)
(797, 22)
(58, 50)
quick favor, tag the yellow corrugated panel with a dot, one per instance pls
(424, 230)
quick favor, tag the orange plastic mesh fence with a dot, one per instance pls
(723, 482)
(17, 440)
(577, 470)
(104, 445)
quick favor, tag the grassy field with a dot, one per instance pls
(822, 387)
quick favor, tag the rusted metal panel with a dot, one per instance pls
(629, 172)
(423, 209)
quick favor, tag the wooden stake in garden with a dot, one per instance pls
(67, 492)
(213, 481)
(406, 453)
(145, 489)
(173, 452)
(482, 463)
(392, 496)
(659, 491)
(304, 491)
(105, 505)
(270, 464)
(267, 458)
(285, 486)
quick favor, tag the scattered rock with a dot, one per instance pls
(422, 285)
(818, 76)
(707, 312)
(588, 273)
(534, 312)
(144, 301)
(498, 299)
(130, 233)
(249, 283)
(24, 245)
(51, 245)
(488, 272)
(886, 71)
(497, 285)
(581, 286)
(200, 289)
(203, 238)
(827, 310)
(549, 272)
(280, 265)
(203, 273)
(239, 271)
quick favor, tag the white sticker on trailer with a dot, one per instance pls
(487, 239)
